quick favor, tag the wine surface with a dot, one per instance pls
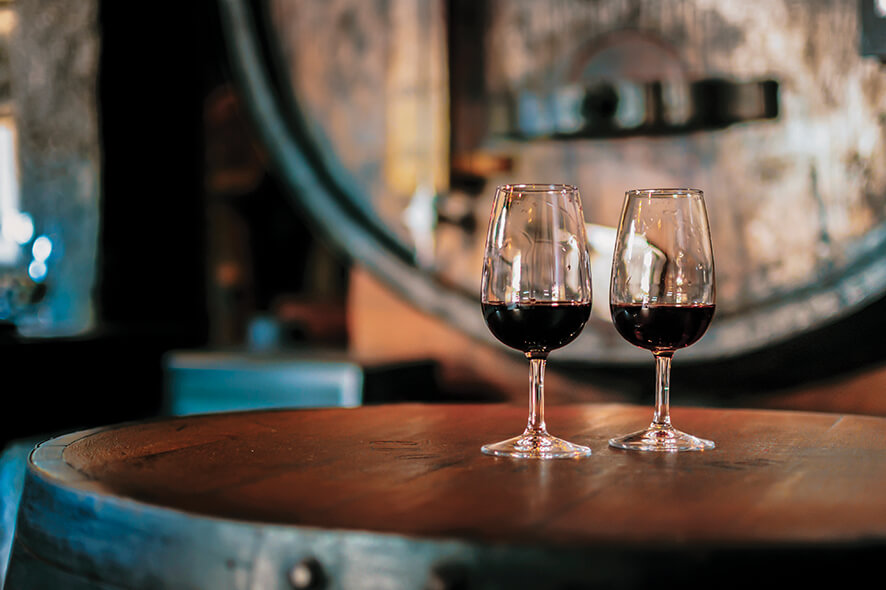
(536, 327)
(661, 328)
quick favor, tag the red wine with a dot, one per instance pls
(661, 328)
(536, 327)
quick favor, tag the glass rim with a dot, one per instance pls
(534, 187)
(665, 192)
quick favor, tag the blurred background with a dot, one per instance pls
(228, 204)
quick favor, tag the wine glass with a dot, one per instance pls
(536, 294)
(662, 295)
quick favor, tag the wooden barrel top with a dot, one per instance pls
(415, 471)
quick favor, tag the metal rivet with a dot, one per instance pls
(307, 574)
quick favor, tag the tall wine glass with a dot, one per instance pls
(662, 295)
(536, 294)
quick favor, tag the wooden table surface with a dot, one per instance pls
(775, 479)
(417, 469)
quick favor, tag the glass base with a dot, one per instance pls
(532, 445)
(661, 437)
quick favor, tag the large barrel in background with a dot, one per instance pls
(392, 123)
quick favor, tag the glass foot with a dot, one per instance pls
(531, 445)
(661, 438)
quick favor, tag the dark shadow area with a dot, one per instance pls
(155, 67)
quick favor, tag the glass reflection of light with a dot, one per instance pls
(646, 276)
(573, 265)
(646, 270)
(516, 276)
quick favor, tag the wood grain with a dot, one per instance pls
(775, 477)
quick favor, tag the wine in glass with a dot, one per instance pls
(536, 294)
(662, 295)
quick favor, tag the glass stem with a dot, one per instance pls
(536, 424)
(662, 415)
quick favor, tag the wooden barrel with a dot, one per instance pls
(400, 497)
(785, 138)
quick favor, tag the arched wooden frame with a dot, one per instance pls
(320, 186)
